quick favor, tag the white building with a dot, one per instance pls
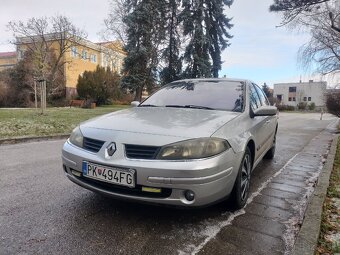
(294, 93)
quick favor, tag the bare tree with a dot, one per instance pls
(320, 18)
(323, 49)
(47, 40)
(114, 26)
(293, 9)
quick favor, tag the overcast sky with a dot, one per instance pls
(259, 50)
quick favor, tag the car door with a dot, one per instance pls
(258, 122)
(269, 122)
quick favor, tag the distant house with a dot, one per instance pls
(82, 56)
(7, 60)
(294, 93)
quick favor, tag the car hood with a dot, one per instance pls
(177, 122)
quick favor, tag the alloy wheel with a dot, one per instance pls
(245, 177)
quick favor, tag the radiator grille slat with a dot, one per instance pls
(92, 144)
(141, 151)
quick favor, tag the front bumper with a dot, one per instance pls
(210, 179)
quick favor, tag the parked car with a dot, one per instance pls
(191, 143)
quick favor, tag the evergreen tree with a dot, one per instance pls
(145, 32)
(98, 86)
(207, 27)
(171, 54)
(266, 90)
(155, 32)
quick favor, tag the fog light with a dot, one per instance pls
(76, 173)
(189, 195)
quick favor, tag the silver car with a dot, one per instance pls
(191, 143)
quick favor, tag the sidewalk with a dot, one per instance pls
(272, 221)
(307, 239)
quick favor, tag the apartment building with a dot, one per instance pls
(7, 60)
(81, 55)
(294, 93)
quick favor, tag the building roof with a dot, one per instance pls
(8, 54)
(296, 83)
(102, 46)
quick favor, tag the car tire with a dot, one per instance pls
(240, 190)
(271, 153)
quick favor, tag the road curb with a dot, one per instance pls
(32, 139)
(307, 239)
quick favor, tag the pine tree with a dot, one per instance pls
(156, 30)
(207, 27)
(171, 54)
(145, 32)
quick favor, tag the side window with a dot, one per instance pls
(254, 98)
(262, 95)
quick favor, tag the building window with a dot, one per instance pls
(294, 99)
(305, 99)
(106, 60)
(84, 54)
(292, 89)
(289, 99)
(21, 54)
(309, 99)
(74, 52)
(93, 58)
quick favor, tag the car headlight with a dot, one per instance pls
(76, 137)
(193, 149)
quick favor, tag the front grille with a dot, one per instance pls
(141, 151)
(92, 144)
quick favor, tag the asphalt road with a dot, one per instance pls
(42, 212)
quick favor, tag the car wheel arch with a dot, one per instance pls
(251, 146)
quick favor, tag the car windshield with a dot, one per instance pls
(209, 95)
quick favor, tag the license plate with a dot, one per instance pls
(109, 174)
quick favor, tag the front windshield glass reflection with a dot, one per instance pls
(216, 95)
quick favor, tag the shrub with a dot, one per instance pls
(98, 86)
(302, 106)
(4, 91)
(283, 108)
(12, 93)
(311, 106)
(333, 103)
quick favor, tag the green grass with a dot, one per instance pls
(30, 122)
(333, 191)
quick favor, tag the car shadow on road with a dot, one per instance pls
(100, 221)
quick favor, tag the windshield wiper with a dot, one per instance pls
(147, 105)
(190, 106)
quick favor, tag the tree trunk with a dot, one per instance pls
(138, 95)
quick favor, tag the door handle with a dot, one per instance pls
(267, 122)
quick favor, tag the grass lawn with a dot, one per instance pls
(29, 122)
(329, 239)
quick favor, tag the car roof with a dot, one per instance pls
(215, 79)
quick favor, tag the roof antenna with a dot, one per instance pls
(300, 78)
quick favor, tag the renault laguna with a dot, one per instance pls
(191, 143)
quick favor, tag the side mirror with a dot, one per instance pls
(135, 103)
(265, 111)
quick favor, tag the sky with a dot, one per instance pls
(259, 51)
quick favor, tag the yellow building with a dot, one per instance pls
(81, 55)
(7, 60)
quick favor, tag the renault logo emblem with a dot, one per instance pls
(111, 149)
